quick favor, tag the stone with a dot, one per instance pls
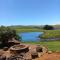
(19, 49)
(2, 57)
(28, 59)
(15, 58)
(34, 55)
(49, 52)
(39, 49)
(5, 48)
(45, 50)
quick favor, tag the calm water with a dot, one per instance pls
(30, 36)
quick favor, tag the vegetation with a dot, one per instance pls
(52, 45)
(50, 34)
(20, 29)
(47, 33)
(7, 34)
(48, 27)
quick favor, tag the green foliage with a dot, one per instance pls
(7, 34)
(17, 37)
(48, 27)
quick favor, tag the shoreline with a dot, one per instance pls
(50, 39)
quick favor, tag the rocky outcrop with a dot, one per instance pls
(34, 55)
(39, 48)
(19, 49)
(2, 57)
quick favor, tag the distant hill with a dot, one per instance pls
(25, 27)
(57, 27)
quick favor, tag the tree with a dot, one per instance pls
(48, 27)
(7, 34)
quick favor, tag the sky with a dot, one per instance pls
(29, 12)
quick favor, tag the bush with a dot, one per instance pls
(48, 27)
(7, 34)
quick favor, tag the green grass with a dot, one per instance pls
(51, 34)
(52, 45)
(28, 30)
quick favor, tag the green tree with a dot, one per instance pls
(7, 34)
(48, 27)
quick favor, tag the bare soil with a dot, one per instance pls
(53, 56)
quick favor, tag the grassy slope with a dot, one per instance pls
(28, 30)
(52, 45)
(51, 34)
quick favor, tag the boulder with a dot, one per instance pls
(2, 57)
(5, 48)
(15, 58)
(39, 49)
(49, 52)
(16, 49)
(34, 55)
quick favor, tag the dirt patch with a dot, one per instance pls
(53, 56)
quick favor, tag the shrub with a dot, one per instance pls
(48, 27)
(7, 34)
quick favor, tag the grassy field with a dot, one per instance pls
(28, 30)
(52, 45)
(51, 34)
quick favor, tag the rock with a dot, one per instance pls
(27, 56)
(5, 48)
(39, 49)
(34, 55)
(49, 52)
(2, 57)
(45, 50)
(1, 52)
(28, 59)
(15, 58)
(16, 49)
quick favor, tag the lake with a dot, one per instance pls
(30, 36)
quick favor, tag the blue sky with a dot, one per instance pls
(29, 12)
